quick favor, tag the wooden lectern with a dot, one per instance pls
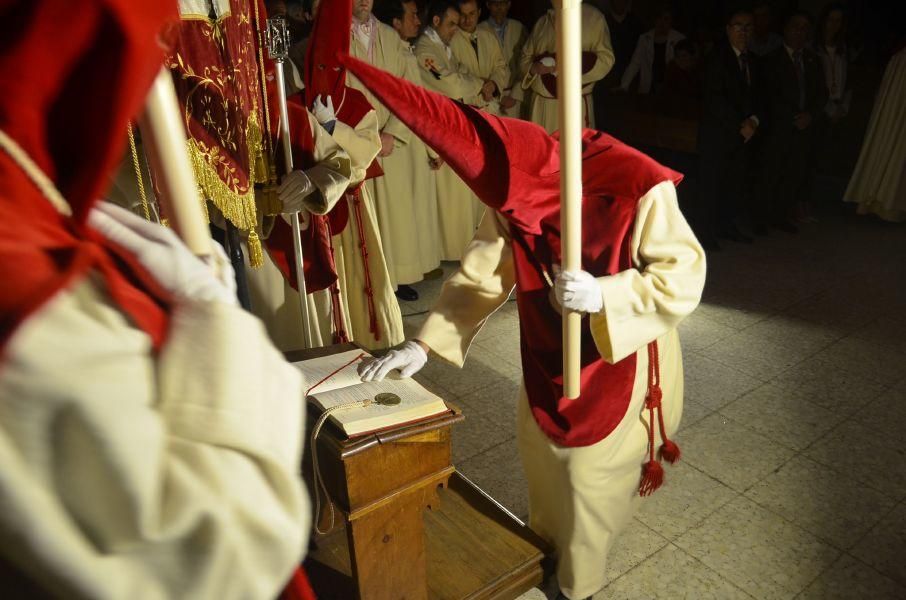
(408, 525)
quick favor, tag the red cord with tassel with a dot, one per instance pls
(653, 471)
(369, 290)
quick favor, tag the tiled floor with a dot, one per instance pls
(793, 479)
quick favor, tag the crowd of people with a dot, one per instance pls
(768, 94)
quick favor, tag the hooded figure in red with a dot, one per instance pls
(149, 431)
(643, 271)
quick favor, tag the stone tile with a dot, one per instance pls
(859, 451)
(670, 574)
(831, 505)
(753, 355)
(797, 335)
(887, 414)
(533, 594)
(836, 309)
(782, 417)
(862, 357)
(825, 384)
(693, 412)
(631, 548)
(502, 322)
(885, 546)
(496, 403)
(850, 579)
(732, 314)
(698, 332)
(713, 384)
(478, 433)
(888, 332)
(757, 550)
(504, 346)
(481, 370)
(687, 498)
(731, 453)
(498, 472)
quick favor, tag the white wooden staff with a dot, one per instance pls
(569, 91)
(165, 142)
(278, 48)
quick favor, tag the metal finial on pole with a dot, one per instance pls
(278, 43)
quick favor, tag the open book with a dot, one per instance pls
(415, 402)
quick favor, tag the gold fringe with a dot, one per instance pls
(138, 173)
(256, 254)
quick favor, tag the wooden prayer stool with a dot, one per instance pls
(408, 525)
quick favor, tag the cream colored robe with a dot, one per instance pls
(127, 474)
(458, 209)
(878, 183)
(581, 498)
(274, 301)
(406, 195)
(487, 63)
(514, 37)
(543, 39)
(363, 143)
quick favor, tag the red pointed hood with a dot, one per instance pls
(329, 39)
(513, 166)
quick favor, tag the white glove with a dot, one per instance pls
(324, 113)
(182, 274)
(408, 358)
(293, 191)
(548, 61)
(578, 291)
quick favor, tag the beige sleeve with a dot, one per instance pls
(332, 172)
(126, 474)
(473, 293)
(596, 38)
(362, 143)
(526, 60)
(440, 75)
(403, 55)
(645, 302)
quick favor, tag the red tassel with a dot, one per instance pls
(670, 451)
(652, 478)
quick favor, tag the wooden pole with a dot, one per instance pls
(165, 141)
(569, 91)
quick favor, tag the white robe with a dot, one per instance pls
(542, 40)
(514, 37)
(878, 183)
(127, 474)
(405, 197)
(580, 499)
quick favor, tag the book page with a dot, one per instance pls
(415, 403)
(317, 369)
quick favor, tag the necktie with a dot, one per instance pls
(474, 41)
(744, 66)
(800, 76)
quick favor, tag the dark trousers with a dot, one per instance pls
(788, 165)
(722, 182)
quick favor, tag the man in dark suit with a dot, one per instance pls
(732, 115)
(796, 98)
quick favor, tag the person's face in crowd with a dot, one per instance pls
(685, 60)
(446, 27)
(361, 9)
(763, 19)
(795, 32)
(833, 24)
(408, 26)
(618, 7)
(739, 30)
(663, 23)
(469, 14)
(499, 9)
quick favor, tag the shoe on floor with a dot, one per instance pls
(407, 293)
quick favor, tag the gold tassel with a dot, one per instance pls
(256, 255)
